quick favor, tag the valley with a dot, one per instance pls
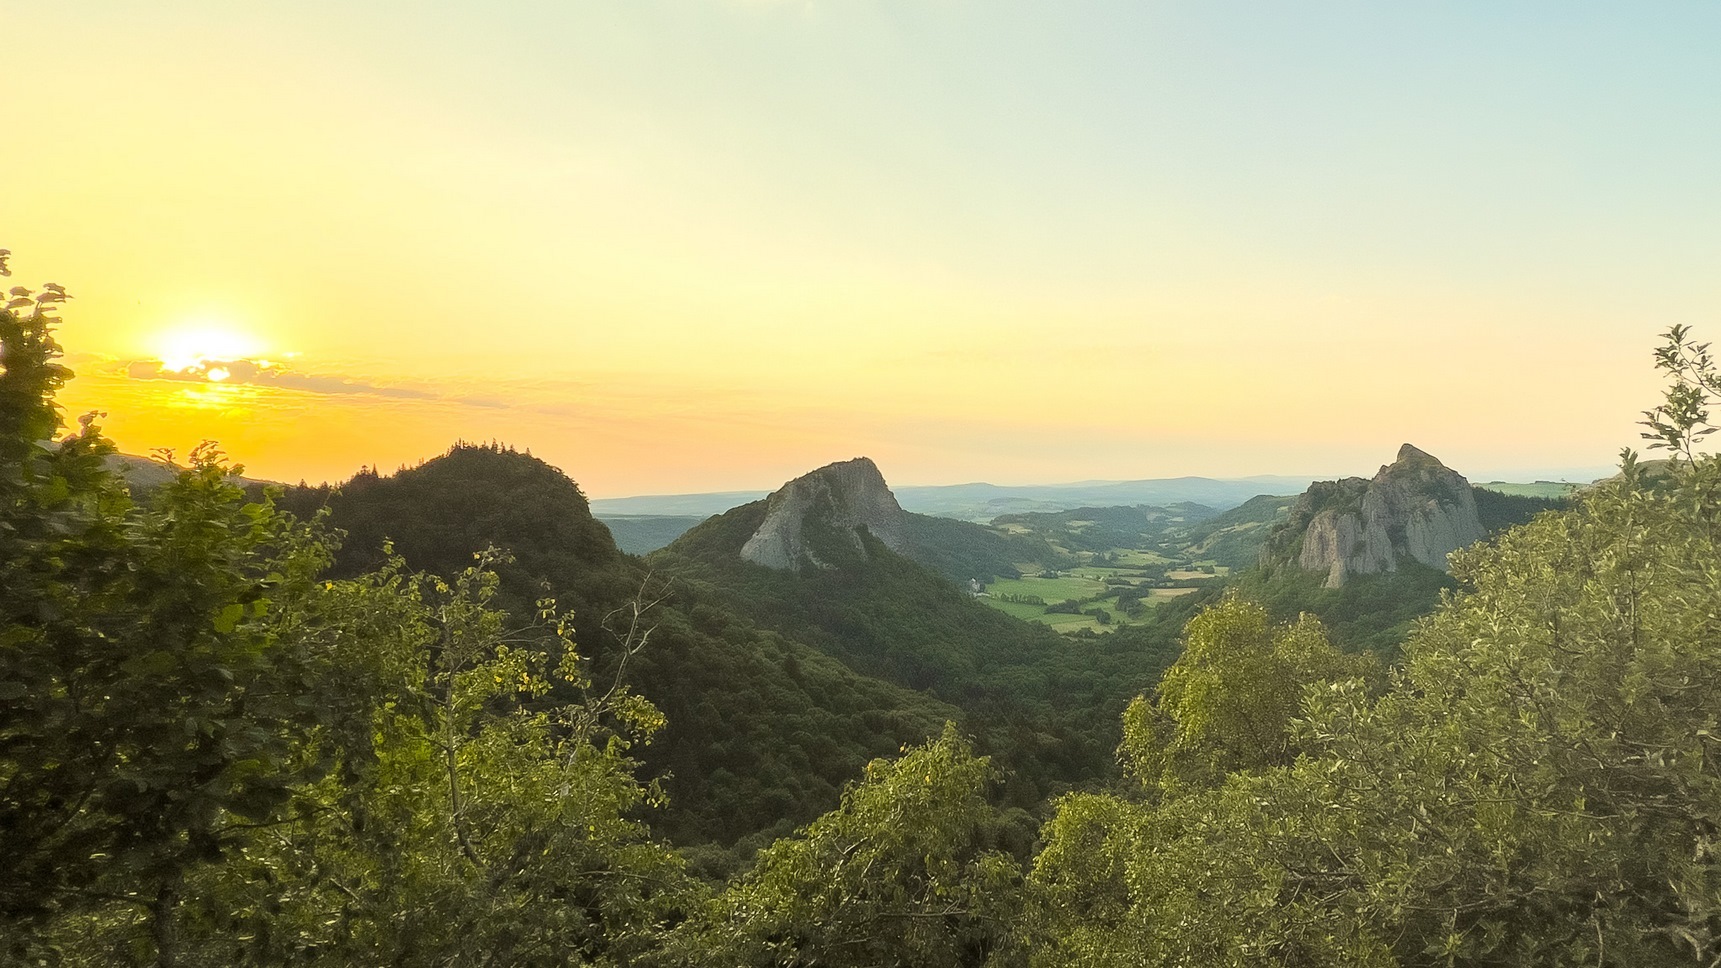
(756, 699)
(1081, 569)
(1113, 565)
(840, 484)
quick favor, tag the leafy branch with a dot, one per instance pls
(1682, 419)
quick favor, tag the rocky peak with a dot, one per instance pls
(814, 518)
(1410, 455)
(1415, 507)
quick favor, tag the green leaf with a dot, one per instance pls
(228, 619)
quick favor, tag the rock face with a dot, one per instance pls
(1415, 507)
(814, 519)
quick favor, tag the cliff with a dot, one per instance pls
(1416, 507)
(814, 519)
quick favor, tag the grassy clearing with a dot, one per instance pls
(1102, 572)
(1053, 590)
(1067, 623)
(1032, 613)
(1140, 559)
(1072, 586)
(1537, 489)
(1058, 621)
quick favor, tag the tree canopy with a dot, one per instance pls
(209, 753)
(1537, 785)
(218, 748)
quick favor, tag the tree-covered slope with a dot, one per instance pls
(641, 534)
(1234, 538)
(961, 550)
(1045, 705)
(1535, 786)
(215, 751)
(1500, 511)
(763, 730)
(1100, 529)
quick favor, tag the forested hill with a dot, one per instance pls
(777, 687)
(1045, 705)
(961, 550)
(762, 730)
(214, 750)
(438, 514)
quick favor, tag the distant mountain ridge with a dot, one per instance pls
(702, 505)
(641, 534)
(146, 473)
(982, 502)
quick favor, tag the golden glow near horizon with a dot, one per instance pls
(202, 347)
(682, 245)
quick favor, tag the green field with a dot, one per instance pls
(1150, 549)
(1102, 572)
(1053, 590)
(1063, 622)
(1033, 613)
(1537, 489)
(1140, 559)
(1080, 583)
(1069, 623)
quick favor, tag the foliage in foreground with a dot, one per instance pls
(211, 754)
(208, 755)
(759, 741)
(1539, 785)
(903, 872)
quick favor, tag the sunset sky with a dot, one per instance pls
(698, 245)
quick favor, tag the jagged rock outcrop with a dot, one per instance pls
(813, 518)
(1415, 507)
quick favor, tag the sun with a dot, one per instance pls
(191, 347)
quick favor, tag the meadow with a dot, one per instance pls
(1141, 574)
(1543, 489)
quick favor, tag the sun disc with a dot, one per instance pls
(190, 347)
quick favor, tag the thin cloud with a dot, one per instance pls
(264, 374)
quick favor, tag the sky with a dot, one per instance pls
(696, 245)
